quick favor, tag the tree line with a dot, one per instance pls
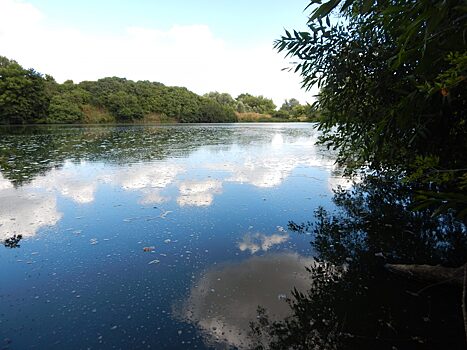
(29, 97)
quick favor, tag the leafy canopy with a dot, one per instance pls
(23, 98)
(393, 88)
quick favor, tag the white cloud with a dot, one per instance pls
(190, 56)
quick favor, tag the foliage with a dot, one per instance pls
(23, 97)
(393, 87)
(96, 115)
(62, 110)
(257, 104)
(179, 103)
(224, 99)
(212, 111)
(281, 114)
(124, 106)
(292, 109)
(27, 97)
(288, 105)
(66, 104)
(311, 113)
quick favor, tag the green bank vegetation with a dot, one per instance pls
(28, 97)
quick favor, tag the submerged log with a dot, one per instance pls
(437, 275)
(429, 273)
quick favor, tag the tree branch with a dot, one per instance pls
(429, 273)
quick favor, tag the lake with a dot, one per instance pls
(162, 237)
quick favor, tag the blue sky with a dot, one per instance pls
(239, 21)
(223, 45)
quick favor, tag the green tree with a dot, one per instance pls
(393, 86)
(124, 106)
(258, 104)
(23, 95)
(241, 107)
(281, 113)
(214, 112)
(223, 98)
(63, 110)
(288, 105)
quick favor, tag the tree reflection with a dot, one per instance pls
(27, 152)
(354, 301)
(13, 242)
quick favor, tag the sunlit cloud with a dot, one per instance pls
(191, 55)
(224, 300)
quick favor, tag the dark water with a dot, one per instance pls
(153, 237)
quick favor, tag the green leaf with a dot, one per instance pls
(324, 9)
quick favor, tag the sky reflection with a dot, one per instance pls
(255, 242)
(25, 212)
(225, 299)
(198, 193)
(210, 202)
(264, 164)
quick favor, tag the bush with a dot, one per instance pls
(214, 112)
(62, 110)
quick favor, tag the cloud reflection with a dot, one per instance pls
(198, 193)
(148, 179)
(153, 196)
(4, 183)
(269, 165)
(225, 299)
(23, 213)
(263, 164)
(254, 242)
(71, 181)
(157, 175)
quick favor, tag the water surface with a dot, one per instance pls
(153, 237)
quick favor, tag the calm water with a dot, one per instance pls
(153, 237)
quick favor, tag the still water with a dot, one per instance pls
(153, 237)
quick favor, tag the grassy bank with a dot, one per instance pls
(268, 118)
